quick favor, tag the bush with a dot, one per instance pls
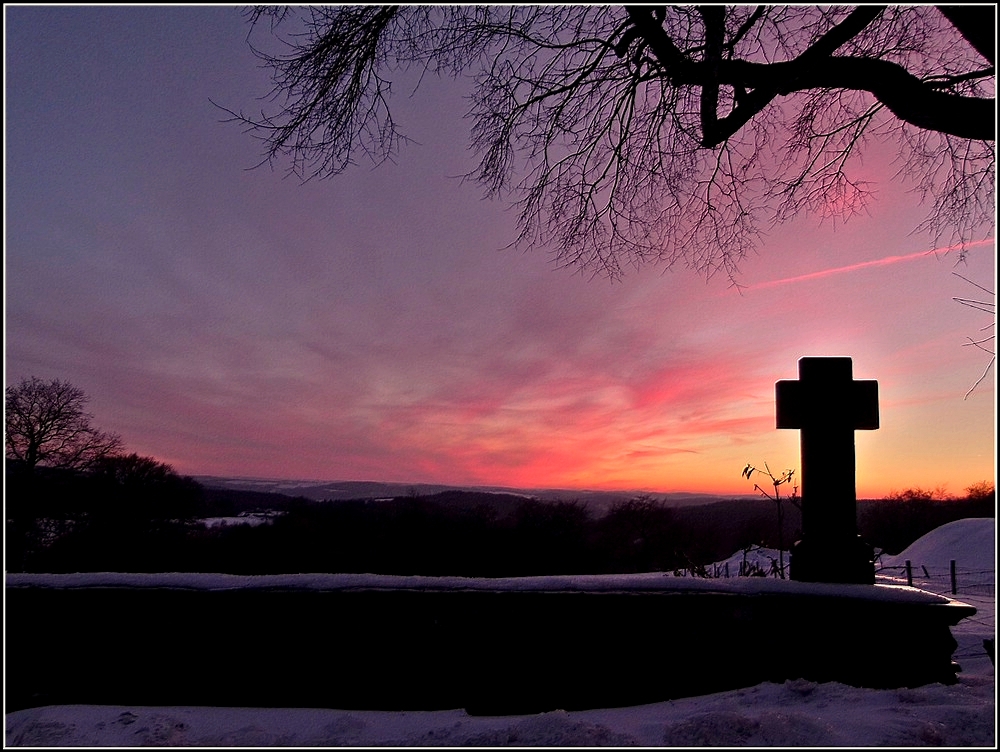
(984, 489)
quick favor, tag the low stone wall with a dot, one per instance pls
(423, 644)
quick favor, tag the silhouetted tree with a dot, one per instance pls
(549, 537)
(45, 424)
(641, 534)
(143, 488)
(670, 133)
(132, 471)
(984, 489)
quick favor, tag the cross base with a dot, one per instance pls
(843, 560)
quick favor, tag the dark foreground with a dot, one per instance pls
(490, 651)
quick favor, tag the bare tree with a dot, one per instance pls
(45, 424)
(676, 134)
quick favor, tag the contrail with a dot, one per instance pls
(865, 264)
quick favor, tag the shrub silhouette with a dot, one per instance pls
(640, 535)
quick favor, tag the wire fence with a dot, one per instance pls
(950, 580)
(977, 587)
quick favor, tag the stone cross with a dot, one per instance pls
(827, 406)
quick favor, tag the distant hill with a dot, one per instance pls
(597, 502)
(323, 490)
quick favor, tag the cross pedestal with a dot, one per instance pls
(827, 406)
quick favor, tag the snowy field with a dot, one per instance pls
(795, 713)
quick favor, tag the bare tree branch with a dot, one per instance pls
(985, 307)
(676, 134)
(976, 26)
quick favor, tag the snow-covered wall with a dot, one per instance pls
(647, 583)
(376, 642)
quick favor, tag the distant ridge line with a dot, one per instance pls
(345, 490)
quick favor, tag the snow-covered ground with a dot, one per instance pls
(795, 713)
(253, 519)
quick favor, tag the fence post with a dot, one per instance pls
(727, 569)
(954, 580)
(909, 573)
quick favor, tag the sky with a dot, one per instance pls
(234, 321)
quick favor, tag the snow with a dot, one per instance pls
(253, 519)
(652, 581)
(970, 542)
(793, 713)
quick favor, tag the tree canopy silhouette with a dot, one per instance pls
(676, 134)
(45, 424)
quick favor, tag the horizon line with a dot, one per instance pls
(646, 491)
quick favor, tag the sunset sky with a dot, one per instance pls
(234, 321)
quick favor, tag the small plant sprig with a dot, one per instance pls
(786, 476)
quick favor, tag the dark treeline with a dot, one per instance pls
(143, 520)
